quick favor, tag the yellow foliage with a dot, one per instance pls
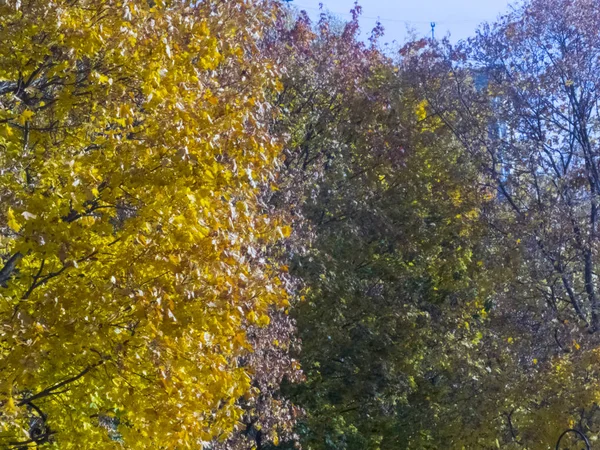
(130, 141)
(421, 110)
(12, 221)
(427, 121)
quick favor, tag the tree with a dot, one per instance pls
(387, 238)
(521, 97)
(134, 156)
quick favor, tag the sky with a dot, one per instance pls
(460, 18)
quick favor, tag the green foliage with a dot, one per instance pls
(393, 292)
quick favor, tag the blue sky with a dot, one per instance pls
(459, 17)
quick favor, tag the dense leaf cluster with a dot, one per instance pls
(224, 226)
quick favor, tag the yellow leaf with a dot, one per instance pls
(25, 116)
(286, 231)
(12, 221)
(264, 320)
(252, 317)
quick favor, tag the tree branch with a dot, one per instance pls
(51, 390)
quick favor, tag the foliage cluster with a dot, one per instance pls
(223, 226)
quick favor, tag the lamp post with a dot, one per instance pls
(579, 434)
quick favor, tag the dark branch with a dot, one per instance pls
(52, 389)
